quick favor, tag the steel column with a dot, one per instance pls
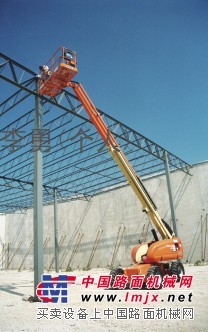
(38, 199)
(56, 232)
(168, 179)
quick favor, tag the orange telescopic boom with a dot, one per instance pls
(149, 257)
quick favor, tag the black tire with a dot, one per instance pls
(177, 269)
(155, 270)
(114, 273)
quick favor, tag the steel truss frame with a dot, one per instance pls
(75, 160)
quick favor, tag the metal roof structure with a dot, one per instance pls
(75, 160)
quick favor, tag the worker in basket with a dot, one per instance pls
(45, 72)
(69, 58)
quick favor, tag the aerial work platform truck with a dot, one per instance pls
(156, 257)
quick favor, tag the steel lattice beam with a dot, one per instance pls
(77, 163)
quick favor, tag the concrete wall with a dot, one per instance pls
(101, 232)
(2, 239)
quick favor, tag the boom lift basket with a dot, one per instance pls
(62, 68)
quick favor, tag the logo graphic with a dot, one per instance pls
(52, 289)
